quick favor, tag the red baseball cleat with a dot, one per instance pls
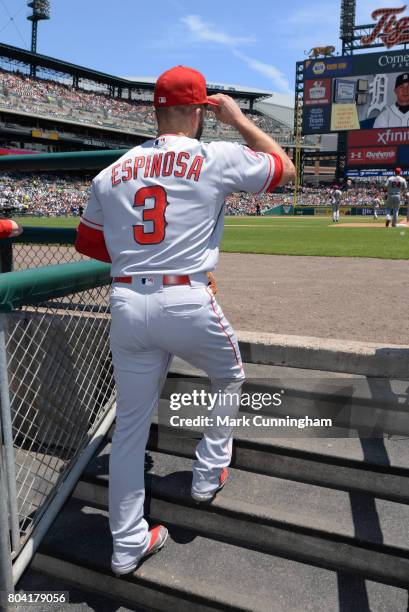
(159, 535)
(210, 495)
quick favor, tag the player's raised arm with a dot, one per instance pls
(228, 111)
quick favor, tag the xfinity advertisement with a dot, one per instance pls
(366, 95)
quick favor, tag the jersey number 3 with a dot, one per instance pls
(155, 214)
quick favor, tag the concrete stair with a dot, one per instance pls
(80, 599)
(303, 524)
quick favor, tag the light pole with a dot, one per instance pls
(40, 12)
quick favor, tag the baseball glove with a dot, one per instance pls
(212, 283)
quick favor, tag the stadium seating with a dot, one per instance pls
(53, 99)
(49, 195)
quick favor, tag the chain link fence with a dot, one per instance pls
(61, 387)
(56, 378)
(39, 247)
(57, 386)
(27, 256)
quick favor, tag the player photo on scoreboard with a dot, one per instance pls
(382, 100)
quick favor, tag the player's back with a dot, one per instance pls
(336, 196)
(161, 204)
(395, 186)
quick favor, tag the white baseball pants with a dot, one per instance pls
(393, 204)
(150, 323)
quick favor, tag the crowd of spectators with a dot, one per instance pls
(47, 195)
(54, 99)
(362, 194)
(44, 195)
(248, 204)
(51, 195)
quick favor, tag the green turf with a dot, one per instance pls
(314, 236)
(294, 236)
(49, 221)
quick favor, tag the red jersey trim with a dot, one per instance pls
(6, 227)
(278, 172)
(269, 174)
(91, 242)
(90, 221)
(212, 301)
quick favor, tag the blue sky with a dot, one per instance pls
(254, 43)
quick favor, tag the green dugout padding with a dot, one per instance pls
(82, 160)
(286, 209)
(304, 210)
(38, 285)
(279, 211)
(47, 235)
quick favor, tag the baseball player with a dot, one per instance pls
(336, 203)
(376, 203)
(407, 207)
(396, 188)
(396, 115)
(157, 214)
(9, 228)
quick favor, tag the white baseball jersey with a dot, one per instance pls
(392, 117)
(161, 205)
(396, 187)
(336, 197)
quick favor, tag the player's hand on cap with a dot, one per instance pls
(227, 110)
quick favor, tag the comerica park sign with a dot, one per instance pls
(389, 27)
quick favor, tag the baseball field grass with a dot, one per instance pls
(316, 236)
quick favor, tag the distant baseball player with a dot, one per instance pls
(396, 188)
(405, 222)
(396, 115)
(9, 228)
(336, 203)
(157, 214)
(376, 203)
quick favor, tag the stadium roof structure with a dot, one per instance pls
(279, 107)
(44, 61)
(51, 63)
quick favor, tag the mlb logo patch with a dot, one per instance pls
(162, 100)
(160, 142)
(149, 281)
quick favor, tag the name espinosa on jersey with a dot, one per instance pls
(158, 165)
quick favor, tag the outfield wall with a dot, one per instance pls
(353, 211)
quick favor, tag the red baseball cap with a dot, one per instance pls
(398, 170)
(181, 86)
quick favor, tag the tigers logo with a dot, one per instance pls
(391, 30)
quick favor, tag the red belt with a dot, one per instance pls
(168, 279)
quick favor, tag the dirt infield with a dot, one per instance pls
(328, 297)
(358, 225)
(401, 224)
(347, 298)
